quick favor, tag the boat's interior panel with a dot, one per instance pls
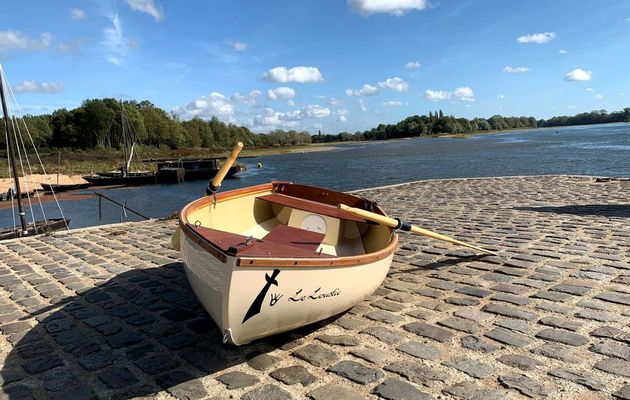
(311, 206)
(284, 225)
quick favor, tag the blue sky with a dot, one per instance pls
(321, 64)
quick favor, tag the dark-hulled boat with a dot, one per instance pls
(56, 188)
(195, 169)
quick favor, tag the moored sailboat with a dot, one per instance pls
(124, 176)
(13, 138)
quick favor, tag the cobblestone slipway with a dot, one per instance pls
(107, 312)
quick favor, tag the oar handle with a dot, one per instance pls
(215, 184)
(399, 224)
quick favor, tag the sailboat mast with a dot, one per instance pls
(124, 136)
(11, 143)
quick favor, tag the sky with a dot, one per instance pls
(329, 65)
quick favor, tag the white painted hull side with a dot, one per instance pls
(289, 297)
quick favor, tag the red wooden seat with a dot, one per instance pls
(287, 242)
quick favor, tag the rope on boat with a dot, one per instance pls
(10, 176)
(17, 112)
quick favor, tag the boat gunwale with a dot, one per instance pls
(275, 261)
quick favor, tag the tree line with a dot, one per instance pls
(98, 123)
(437, 123)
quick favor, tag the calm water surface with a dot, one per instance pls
(602, 150)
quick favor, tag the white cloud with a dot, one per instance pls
(393, 7)
(38, 87)
(147, 7)
(366, 90)
(588, 89)
(316, 111)
(465, 94)
(335, 102)
(237, 45)
(598, 97)
(413, 65)
(214, 104)
(77, 14)
(271, 119)
(578, 74)
(15, 40)
(396, 84)
(538, 38)
(563, 51)
(437, 95)
(291, 103)
(114, 40)
(246, 98)
(281, 93)
(515, 70)
(392, 103)
(362, 106)
(299, 74)
(501, 96)
(342, 118)
(343, 111)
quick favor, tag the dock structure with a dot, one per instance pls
(107, 312)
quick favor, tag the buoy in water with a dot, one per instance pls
(259, 165)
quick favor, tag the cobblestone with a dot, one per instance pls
(110, 309)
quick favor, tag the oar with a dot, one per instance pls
(213, 187)
(215, 183)
(406, 226)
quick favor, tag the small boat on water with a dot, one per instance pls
(270, 258)
(194, 169)
(124, 175)
(56, 188)
(121, 178)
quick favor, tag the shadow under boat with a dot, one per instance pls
(144, 319)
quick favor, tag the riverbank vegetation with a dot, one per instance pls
(90, 136)
(97, 124)
(435, 124)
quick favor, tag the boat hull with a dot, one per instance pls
(250, 302)
(50, 187)
(101, 180)
(38, 228)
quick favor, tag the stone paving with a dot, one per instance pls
(108, 313)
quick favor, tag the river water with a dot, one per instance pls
(601, 150)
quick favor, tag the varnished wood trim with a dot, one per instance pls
(231, 194)
(203, 243)
(321, 262)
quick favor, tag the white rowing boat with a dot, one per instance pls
(274, 257)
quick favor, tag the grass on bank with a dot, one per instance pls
(83, 162)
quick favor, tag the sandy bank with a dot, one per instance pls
(32, 182)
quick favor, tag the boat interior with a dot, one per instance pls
(283, 220)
